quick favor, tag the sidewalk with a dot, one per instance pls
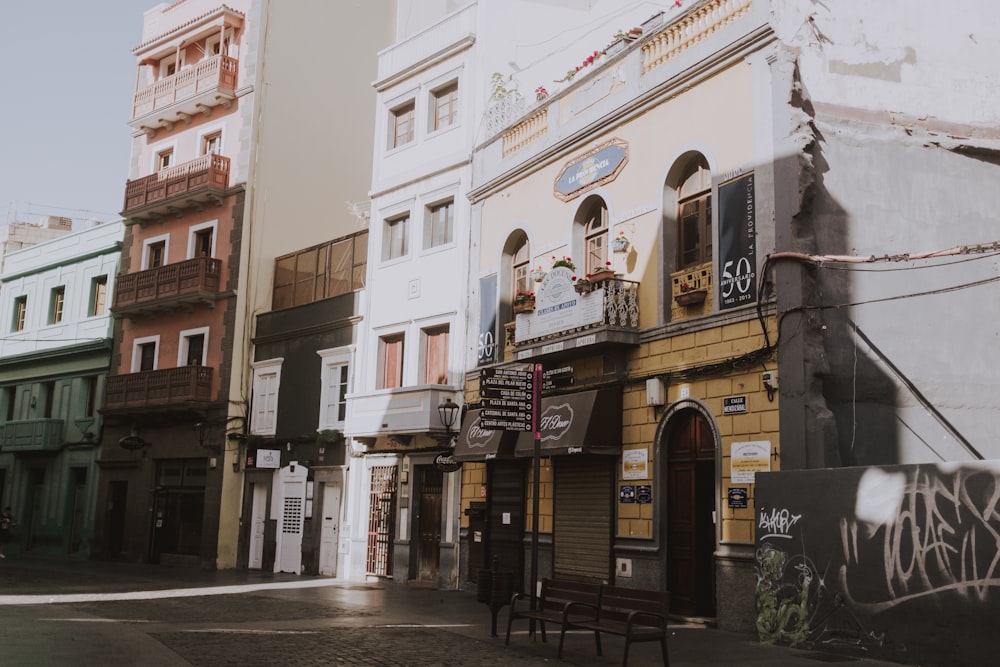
(388, 605)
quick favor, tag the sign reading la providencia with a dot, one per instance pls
(507, 398)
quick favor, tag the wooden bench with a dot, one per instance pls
(557, 599)
(637, 615)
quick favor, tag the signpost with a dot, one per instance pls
(511, 402)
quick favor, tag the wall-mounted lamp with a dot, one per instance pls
(132, 441)
(201, 429)
(448, 414)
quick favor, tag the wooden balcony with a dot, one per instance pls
(169, 191)
(180, 285)
(32, 435)
(172, 387)
(195, 89)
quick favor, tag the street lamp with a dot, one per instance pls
(448, 414)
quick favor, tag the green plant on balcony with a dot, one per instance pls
(524, 302)
(563, 261)
(330, 435)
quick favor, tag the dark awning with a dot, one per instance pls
(478, 444)
(588, 422)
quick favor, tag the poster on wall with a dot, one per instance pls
(487, 320)
(737, 243)
(749, 458)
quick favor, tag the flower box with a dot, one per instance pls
(602, 275)
(691, 297)
(583, 286)
(524, 307)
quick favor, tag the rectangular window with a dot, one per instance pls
(266, 382)
(695, 228)
(440, 225)
(20, 313)
(164, 159)
(195, 349)
(403, 118)
(436, 355)
(57, 302)
(323, 271)
(446, 106)
(156, 254)
(394, 238)
(390, 361)
(98, 296)
(48, 399)
(211, 144)
(90, 396)
(9, 398)
(147, 356)
(335, 409)
(203, 242)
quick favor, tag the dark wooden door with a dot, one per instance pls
(690, 515)
(505, 518)
(429, 523)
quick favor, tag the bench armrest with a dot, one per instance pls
(581, 609)
(645, 619)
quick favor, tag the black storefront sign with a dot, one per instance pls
(487, 320)
(734, 405)
(738, 246)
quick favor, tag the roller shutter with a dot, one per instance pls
(582, 521)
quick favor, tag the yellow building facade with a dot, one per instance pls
(620, 228)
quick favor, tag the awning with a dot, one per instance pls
(478, 444)
(588, 422)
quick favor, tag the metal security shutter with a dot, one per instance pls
(582, 522)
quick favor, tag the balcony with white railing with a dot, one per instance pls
(195, 89)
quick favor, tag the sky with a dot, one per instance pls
(67, 76)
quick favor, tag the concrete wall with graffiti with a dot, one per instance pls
(895, 562)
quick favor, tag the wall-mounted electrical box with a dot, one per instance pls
(769, 379)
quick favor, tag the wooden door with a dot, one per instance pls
(429, 523)
(690, 515)
(330, 530)
(258, 522)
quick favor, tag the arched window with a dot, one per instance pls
(521, 266)
(595, 235)
(694, 215)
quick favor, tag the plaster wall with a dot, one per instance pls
(697, 119)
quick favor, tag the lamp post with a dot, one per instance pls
(448, 414)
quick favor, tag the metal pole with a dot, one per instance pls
(536, 484)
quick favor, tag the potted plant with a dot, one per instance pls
(541, 93)
(606, 273)
(537, 274)
(583, 285)
(563, 261)
(689, 296)
(524, 302)
(331, 435)
(620, 243)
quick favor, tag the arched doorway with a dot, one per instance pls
(690, 511)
